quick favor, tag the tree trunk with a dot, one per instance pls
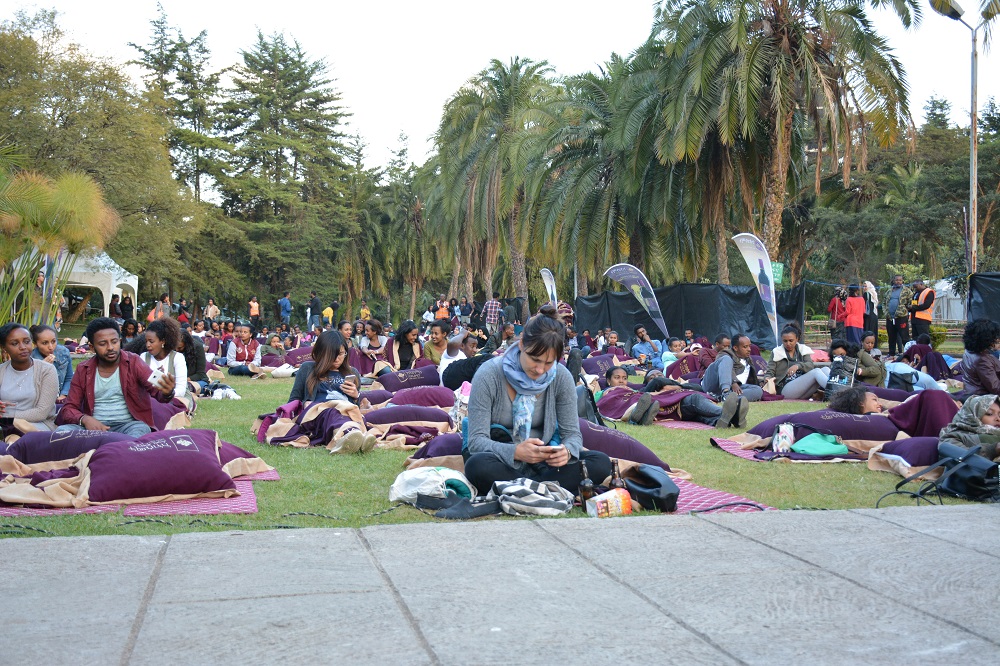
(635, 246)
(77, 313)
(582, 286)
(722, 253)
(453, 287)
(517, 265)
(469, 289)
(413, 298)
(775, 188)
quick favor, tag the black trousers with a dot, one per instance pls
(483, 469)
(898, 334)
(919, 327)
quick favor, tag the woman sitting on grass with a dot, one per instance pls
(47, 349)
(194, 356)
(406, 347)
(531, 399)
(162, 339)
(328, 376)
(28, 388)
(791, 366)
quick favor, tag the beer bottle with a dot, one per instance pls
(586, 488)
(616, 476)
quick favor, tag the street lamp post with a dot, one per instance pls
(952, 10)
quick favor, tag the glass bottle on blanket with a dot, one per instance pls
(586, 488)
(616, 476)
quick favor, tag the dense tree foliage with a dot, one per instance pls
(788, 119)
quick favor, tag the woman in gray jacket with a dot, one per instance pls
(523, 419)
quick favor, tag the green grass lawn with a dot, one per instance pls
(350, 489)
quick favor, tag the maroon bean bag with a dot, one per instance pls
(406, 414)
(401, 379)
(38, 447)
(425, 396)
(598, 365)
(925, 415)
(449, 444)
(164, 411)
(857, 427)
(377, 396)
(917, 451)
(299, 356)
(616, 444)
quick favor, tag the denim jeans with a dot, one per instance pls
(130, 428)
(723, 368)
(697, 407)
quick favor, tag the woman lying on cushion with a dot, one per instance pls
(924, 414)
(328, 376)
(665, 399)
(976, 424)
(853, 354)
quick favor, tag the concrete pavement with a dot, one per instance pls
(900, 585)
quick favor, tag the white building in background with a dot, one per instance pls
(101, 272)
(948, 305)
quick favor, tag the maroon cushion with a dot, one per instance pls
(37, 447)
(397, 381)
(406, 414)
(847, 426)
(598, 365)
(425, 396)
(617, 444)
(377, 396)
(230, 452)
(171, 462)
(271, 361)
(298, 356)
(449, 444)
(917, 451)
(164, 411)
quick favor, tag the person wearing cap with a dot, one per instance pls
(921, 308)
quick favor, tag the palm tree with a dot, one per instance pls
(480, 123)
(757, 70)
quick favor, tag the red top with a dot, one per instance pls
(855, 316)
(837, 310)
(134, 376)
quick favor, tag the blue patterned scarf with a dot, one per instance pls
(526, 388)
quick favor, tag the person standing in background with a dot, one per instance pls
(127, 308)
(285, 308)
(366, 312)
(315, 310)
(921, 308)
(854, 321)
(254, 309)
(212, 312)
(897, 300)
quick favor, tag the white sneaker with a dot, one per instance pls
(283, 371)
(368, 443)
(349, 443)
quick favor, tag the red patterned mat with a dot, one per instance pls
(13, 511)
(245, 503)
(270, 475)
(696, 498)
(729, 446)
(683, 425)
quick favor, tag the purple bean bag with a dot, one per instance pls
(271, 361)
(213, 346)
(170, 462)
(425, 396)
(38, 447)
(598, 365)
(396, 381)
(846, 426)
(230, 452)
(377, 396)
(917, 451)
(896, 395)
(164, 411)
(406, 414)
(925, 415)
(299, 356)
(449, 444)
(616, 444)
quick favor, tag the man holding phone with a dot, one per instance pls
(111, 391)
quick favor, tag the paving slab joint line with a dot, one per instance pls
(140, 616)
(403, 608)
(926, 534)
(842, 577)
(606, 572)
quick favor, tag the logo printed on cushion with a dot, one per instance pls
(151, 445)
(183, 443)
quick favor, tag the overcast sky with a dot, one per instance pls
(396, 63)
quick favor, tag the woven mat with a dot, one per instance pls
(694, 497)
(245, 503)
(729, 446)
(12, 511)
(683, 425)
(270, 475)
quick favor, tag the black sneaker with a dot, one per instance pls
(641, 408)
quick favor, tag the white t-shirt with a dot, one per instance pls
(743, 376)
(179, 371)
(448, 360)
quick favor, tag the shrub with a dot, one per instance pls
(938, 336)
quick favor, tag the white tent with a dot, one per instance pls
(948, 306)
(101, 272)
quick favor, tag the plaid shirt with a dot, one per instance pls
(492, 311)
